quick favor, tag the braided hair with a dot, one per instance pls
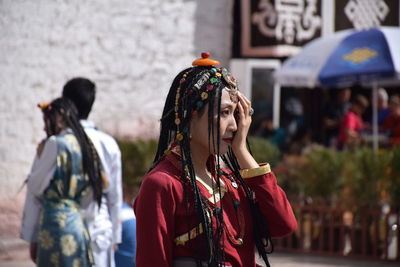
(90, 159)
(195, 89)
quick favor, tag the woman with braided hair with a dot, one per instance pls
(66, 175)
(206, 201)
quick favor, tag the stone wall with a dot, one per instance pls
(131, 49)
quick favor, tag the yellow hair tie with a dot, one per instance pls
(248, 173)
(43, 105)
(205, 61)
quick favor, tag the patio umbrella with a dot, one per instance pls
(370, 58)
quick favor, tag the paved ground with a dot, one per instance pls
(305, 260)
(14, 253)
(16, 264)
(278, 260)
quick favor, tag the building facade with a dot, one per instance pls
(131, 49)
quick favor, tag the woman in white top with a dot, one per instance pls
(65, 175)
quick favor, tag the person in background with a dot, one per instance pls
(125, 255)
(352, 123)
(392, 122)
(333, 113)
(383, 106)
(275, 136)
(66, 176)
(297, 135)
(104, 223)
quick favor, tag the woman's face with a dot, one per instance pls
(228, 127)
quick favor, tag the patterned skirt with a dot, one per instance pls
(63, 237)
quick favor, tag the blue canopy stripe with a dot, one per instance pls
(359, 58)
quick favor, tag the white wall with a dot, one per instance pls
(131, 49)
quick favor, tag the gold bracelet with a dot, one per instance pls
(248, 173)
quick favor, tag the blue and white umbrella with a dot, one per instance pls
(370, 58)
(345, 58)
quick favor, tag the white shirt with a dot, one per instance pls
(108, 217)
(42, 172)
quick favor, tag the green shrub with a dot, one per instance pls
(393, 174)
(355, 178)
(289, 175)
(364, 174)
(136, 157)
(264, 151)
(321, 173)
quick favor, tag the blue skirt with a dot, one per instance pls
(63, 237)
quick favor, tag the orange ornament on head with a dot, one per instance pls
(43, 105)
(205, 60)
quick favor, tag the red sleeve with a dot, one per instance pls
(154, 209)
(274, 204)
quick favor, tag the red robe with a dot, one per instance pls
(163, 214)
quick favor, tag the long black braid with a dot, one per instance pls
(90, 159)
(262, 236)
(189, 100)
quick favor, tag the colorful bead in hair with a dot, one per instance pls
(179, 135)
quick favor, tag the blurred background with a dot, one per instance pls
(346, 198)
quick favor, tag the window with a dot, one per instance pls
(255, 79)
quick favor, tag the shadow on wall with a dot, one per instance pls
(11, 214)
(213, 29)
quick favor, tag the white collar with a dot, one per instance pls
(87, 124)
